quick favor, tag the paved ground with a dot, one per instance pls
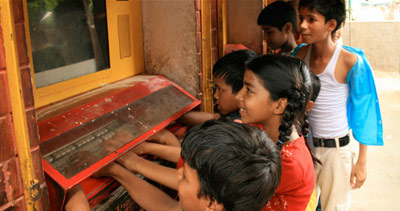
(381, 191)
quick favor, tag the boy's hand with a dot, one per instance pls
(130, 161)
(117, 141)
(358, 175)
(141, 148)
(106, 171)
(165, 137)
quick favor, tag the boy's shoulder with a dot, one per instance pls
(347, 59)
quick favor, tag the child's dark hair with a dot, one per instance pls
(277, 14)
(286, 77)
(231, 67)
(330, 9)
(316, 86)
(238, 165)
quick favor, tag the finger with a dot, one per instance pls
(357, 184)
(352, 180)
(140, 148)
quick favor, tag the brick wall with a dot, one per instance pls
(11, 188)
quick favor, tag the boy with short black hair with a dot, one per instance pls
(228, 166)
(278, 20)
(228, 74)
(347, 100)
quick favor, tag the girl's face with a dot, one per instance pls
(255, 102)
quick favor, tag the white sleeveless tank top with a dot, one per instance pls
(328, 117)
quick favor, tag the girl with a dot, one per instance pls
(275, 94)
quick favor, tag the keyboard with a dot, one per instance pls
(71, 158)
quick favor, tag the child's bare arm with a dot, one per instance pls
(153, 171)
(76, 200)
(146, 195)
(359, 170)
(197, 117)
(165, 152)
(344, 64)
(165, 137)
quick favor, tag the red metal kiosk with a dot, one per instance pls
(74, 143)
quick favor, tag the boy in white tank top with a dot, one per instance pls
(347, 100)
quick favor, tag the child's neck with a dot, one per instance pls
(272, 130)
(289, 45)
(323, 49)
(321, 54)
(273, 133)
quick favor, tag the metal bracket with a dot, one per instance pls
(35, 190)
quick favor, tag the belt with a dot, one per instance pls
(321, 142)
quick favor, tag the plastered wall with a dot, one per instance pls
(170, 41)
(242, 23)
(379, 40)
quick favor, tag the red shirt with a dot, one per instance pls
(297, 178)
(180, 163)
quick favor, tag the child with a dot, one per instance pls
(347, 100)
(228, 74)
(278, 20)
(275, 94)
(228, 79)
(228, 166)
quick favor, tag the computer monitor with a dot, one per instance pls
(79, 45)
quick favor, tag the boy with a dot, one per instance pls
(278, 20)
(228, 74)
(347, 100)
(228, 166)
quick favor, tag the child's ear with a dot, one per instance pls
(309, 105)
(215, 206)
(287, 28)
(280, 106)
(331, 25)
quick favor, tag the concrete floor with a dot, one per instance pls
(381, 191)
